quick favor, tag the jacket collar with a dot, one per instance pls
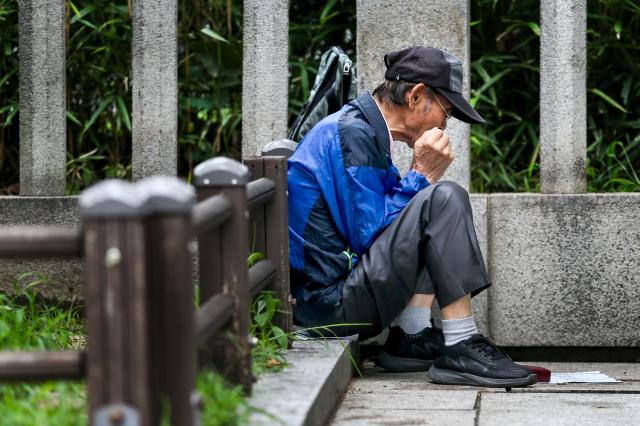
(367, 105)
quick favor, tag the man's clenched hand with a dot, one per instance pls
(432, 154)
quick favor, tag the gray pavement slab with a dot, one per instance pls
(405, 417)
(410, 398)
(560, 409)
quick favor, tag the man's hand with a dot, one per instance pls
(432, 154)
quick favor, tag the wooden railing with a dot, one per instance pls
(143, 331)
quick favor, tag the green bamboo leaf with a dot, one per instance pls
(534, 27)
(73, 118)
(79, 14)
(74, 8)
(124, 112)
(6, 77)
(214, 35)
(97, 113)
(280, 337)
(633, 4)
(626, 88)
(608, 99)
(326, 13)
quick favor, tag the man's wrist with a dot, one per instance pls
(420, 171)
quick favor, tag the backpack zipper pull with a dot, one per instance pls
(346, 69)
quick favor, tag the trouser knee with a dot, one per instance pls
(446, 195)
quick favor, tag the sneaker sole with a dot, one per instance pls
(396, 364)
(450, 377)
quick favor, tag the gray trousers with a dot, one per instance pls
(431, 248)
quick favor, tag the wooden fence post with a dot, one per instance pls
(117, 312)
(171, 300)
(256, 215)
(141, 338)
(229, 177)
(277, 238)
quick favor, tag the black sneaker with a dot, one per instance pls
(477, 361)
(404, 352)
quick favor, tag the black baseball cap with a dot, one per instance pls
(437, 69)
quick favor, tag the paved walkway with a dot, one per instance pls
(409, 399)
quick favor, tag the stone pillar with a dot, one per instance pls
(43, 129)
(265, 73)
(563, 96)
(385, 26)
(155, 88)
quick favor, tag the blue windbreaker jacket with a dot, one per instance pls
(343, 192)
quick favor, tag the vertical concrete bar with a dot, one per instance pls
(155, 88)
(563, 96)
(385, 26)
(265, 73)
(43, 128)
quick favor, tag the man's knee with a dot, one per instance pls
(448, 195)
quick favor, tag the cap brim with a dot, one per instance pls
(462, 110)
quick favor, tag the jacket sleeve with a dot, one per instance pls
(366, 207)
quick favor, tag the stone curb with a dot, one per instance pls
(308, 390)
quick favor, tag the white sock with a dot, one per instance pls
(414, 319)
(458, 330)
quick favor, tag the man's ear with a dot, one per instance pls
(415, 95)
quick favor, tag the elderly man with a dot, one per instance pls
(369, 248)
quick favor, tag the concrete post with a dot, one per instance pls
(563, 96)
(383, 26)
(43, 129)
(155, 88)
(265, 73)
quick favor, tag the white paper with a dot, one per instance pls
(581, 377)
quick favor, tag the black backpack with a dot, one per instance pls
(335, 85)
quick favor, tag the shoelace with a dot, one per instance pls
(487, 348)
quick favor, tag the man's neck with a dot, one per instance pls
(393, 115)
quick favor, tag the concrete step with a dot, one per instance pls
(307, 391)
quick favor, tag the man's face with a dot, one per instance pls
(425, 110)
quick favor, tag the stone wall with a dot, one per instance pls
(65, 277)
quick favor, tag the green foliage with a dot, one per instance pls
(613, 38)
(209, 81)
(28, 323)
(504, 90)
(314, 27)
(99, 82)
(223, 405)
(505, 154)
(9, 154)
(272, 340)
(50, 403)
